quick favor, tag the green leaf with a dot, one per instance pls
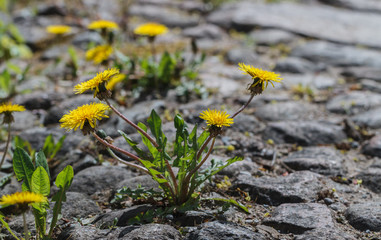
(65, 177)
(229, 201)
(152, 149)
(5, 179)
(200, 178)
(57, 146)
(73, 55)
(154, 123)
(40, 181)
(63, 182)
(140, 152)
(41, 161)
(166, 68)
(23, 168)
(48, 145)
(5, 224)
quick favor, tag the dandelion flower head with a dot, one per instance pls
(99, 54)
(261, 77)
(150, 29)
(103, 24)
(7, 109)
(115, 80)
(216, 118)
(87, 114)
(98, 82)
(22, 198)
(58, 29)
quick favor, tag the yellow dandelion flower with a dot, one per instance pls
(7, 109)
(22, 198)
(98, 83)
(216, 118)
(261, 77)
(114, 80)
(58, 29)
(103, 24)
(99, 54)
(84, 117)
(151, 29)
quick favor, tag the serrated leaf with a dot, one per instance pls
(40, 181)
(23, 168)
(41, 161)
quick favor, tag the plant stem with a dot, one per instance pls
(133, 124)
(244, 106)
(6, 145)
(133, 157)
(184, 189)
(203, 160)
(203, 147)
(116, 148)
(25, 226)
(172, 175)
(143, 169)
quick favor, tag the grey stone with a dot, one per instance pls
(83, 39)
(55, 113)
(36, 137)
(318, 81)
(35, 36)
(225, 86)
(77, 231)
(357, 73)
(373, 147)
(337, 55)
(120, 217)
(322, 160)
(35, 100)
(24, 120)
(77, 159)
(284, 111)
(247, 123)
(305, 133)
(99, 178)
(34, 83)
(371, 85)
(365, 216)
(54, 53)
(150, 231)
(345, 26)
(365, 6)
(11, 186)
(193, 218)
(48, 9)
(169, 17)
(78, 205)
(324, 234)
(298, 218)
(145, 181)
(354, 102)
(370, 119)
(205, 31)
(271, 37)
(242, 55)
(302, 186)
(296, 65)
(371, 178)
(236, 168)
(219, 230)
